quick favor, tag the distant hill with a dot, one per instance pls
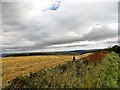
(48, 53)
(115, 48)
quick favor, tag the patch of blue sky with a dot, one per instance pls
(54, 6)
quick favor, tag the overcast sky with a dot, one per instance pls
(57, 25)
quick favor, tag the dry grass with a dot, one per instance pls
(19, 66)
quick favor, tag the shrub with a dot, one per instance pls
(96, 57)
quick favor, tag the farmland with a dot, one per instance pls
(84, 73)
(20, 66)
(62, 72)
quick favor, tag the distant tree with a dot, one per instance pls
(116, 49)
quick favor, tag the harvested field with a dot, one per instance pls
(20, 66)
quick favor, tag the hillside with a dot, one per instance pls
(83, 73)
(74, 52)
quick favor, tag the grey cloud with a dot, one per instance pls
(13, 12)
(97, 34)
(112, 42)
(53, 28)
(10, 13)
(69, 46)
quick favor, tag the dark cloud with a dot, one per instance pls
(104, 32)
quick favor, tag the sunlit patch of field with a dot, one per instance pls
(84, 55)
(13, 67)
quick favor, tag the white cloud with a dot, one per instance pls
(26, 27)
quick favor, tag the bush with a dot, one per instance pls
(96, 57)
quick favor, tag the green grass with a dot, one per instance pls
(77, 74)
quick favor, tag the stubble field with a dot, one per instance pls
(13, 67)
